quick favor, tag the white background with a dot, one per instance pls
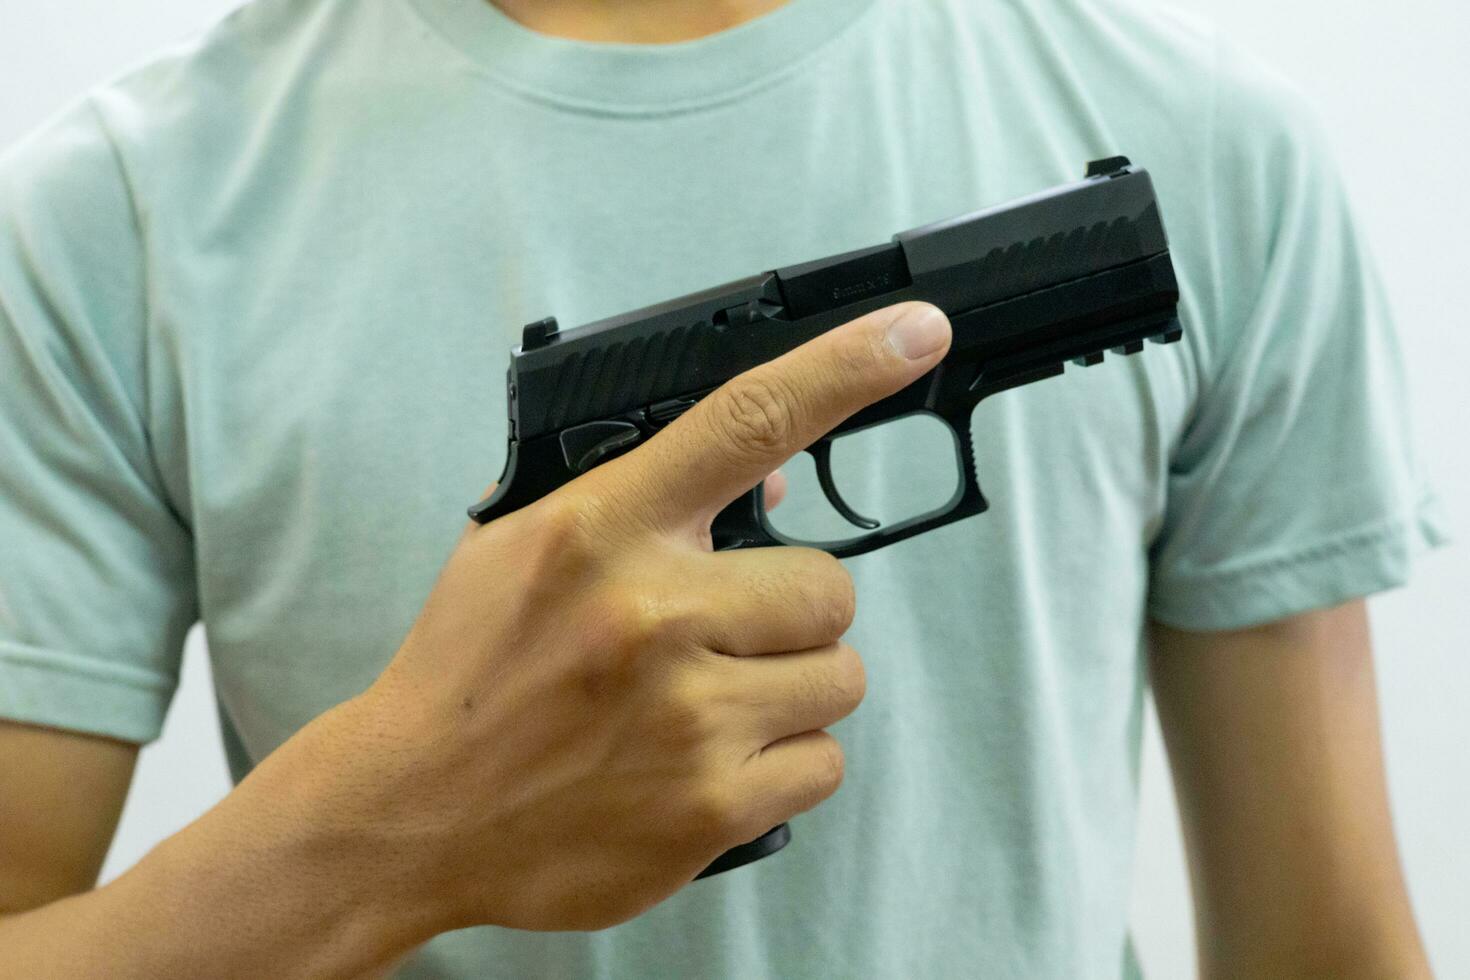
(1390, 80)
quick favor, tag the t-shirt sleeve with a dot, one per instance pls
(1295, 484)
(96, 576)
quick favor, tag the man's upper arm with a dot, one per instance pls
(97, 586)
(1292, 493)
(60, 797)
(96, 573)
(1294, 484)
(1273, 739)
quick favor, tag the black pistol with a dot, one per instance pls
(1062, 275)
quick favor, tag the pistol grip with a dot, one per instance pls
(742, 524)
(763, 846)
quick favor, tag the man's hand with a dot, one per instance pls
(593, 705)
(590, 708)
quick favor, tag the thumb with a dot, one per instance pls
(734, 436)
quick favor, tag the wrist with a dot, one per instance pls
(290, 875)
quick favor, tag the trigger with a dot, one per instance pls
(821, 451)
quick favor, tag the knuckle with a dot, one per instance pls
(858, 359)
(573, 527)
(828, 768)
(838, 611)
(637, 617)
(834, 600)
(854, 681)
(755, 415)
(663, 620)
(686, 725)
(630, 622)
(557, 517)
(619, 620)
(824, 690)
(835, 689)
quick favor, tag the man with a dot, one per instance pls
(254, 303)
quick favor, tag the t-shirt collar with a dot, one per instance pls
(641, 78)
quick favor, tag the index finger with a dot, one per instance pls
(733, 437)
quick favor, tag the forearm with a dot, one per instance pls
(268, 883)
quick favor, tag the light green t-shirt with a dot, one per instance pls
(256, 299)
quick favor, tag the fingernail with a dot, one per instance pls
(919, 332)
